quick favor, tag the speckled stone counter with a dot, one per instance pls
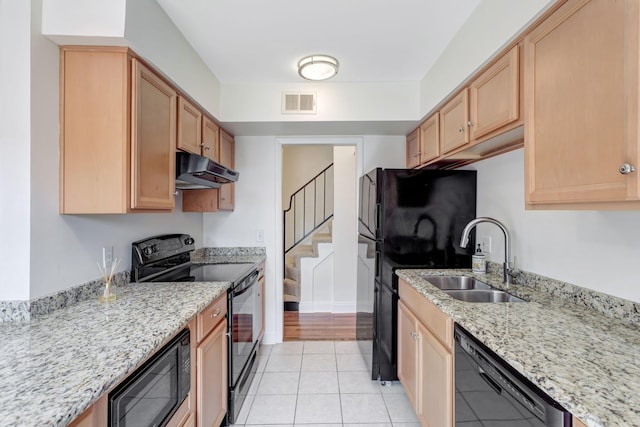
(55, 367)
(588, 362)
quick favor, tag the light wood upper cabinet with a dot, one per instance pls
(153, 141)
(227, 158)
(454, 119)
(189, 127)
(117, 136)
(210, 139)
(495, 96)
(430, 139)
(581, 120)
(413, 149)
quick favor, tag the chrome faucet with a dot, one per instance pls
(508, 271)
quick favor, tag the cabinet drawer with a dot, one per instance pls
(438, 323)
(211, 316)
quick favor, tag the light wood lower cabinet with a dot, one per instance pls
(578, 423)
(211, 364)
(435, 380)
(425, 358)
(408, 353)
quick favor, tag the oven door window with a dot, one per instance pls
(244, 306)
(149, 398)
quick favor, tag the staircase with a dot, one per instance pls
(306, 223)
(292, 264)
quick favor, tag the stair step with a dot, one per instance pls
(322, 238)
(291, 287)
(291, 272)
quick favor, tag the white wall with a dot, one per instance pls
(592, 249)
(256, 197)
(258, 204)
(345, 231)
(15, 148)
(96, 18)
(145, 27)
(489, 27)
(300, 163)
(335, 102)
(43, 252)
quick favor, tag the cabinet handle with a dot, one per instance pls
(469, 123)
(626, 169)
(460, 129)
(216, 314)
(206, 147)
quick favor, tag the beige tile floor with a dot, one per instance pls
(318, 384)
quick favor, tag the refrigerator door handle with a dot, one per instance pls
(378, 219)
(378, 264)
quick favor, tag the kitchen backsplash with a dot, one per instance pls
(16, 311)
(608, 305)
(619, 308)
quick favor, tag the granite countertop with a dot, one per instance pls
(56, 365)
(588, 362)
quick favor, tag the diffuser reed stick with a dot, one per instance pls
(108, 294)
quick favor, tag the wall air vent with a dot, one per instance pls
(298, 103)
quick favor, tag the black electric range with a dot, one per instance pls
(167, 258)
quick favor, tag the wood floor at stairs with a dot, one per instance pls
(319, 326)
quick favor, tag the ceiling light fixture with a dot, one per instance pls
(318, 67)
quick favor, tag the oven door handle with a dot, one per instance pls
(246, 284)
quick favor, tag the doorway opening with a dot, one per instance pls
(319, 253)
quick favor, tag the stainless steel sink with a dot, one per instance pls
(483, 295)
(456, 282)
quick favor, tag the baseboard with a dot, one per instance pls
(344, 307)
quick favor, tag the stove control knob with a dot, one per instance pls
(189, 241)
(154, 248)
(147, 251)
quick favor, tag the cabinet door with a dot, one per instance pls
(189, 127)
(226, 197)
(435, 381)
(210, 139)
(153, 141)
(413, 149)
(454, 118)
(495, 96)
(430, 139)
(212, 378)
(407, 352)
(581, 87)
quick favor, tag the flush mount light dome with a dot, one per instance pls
(318, 67)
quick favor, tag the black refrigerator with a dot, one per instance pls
(407, 218)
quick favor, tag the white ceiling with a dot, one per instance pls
(260, 41)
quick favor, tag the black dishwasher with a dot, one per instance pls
(490, 393)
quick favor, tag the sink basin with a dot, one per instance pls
(483, 295)
(456, 282)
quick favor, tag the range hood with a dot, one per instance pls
(196, 172)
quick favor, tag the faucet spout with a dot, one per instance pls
(464, 241)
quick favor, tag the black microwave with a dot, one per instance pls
(153, 393)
